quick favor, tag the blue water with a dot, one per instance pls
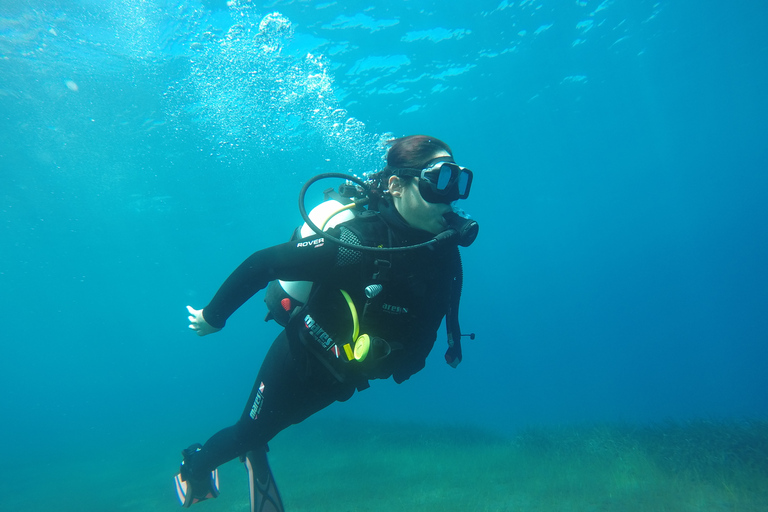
(619, 149)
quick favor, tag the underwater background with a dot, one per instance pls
(618, 288)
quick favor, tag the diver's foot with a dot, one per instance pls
(191, 490)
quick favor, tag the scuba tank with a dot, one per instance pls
(282, 297)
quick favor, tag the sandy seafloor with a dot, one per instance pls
(340, 465)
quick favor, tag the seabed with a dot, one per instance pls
(372, 467)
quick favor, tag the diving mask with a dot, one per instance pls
(440, 182)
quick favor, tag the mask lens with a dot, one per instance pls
(445, 173)
(463, 182)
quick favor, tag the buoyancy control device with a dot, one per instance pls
(283, 298)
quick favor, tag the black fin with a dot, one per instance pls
(264, 494)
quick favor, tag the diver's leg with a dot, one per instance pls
(291, 386)
(235, 440)
(198, 477)
(276, 403)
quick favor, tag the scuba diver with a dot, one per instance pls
(361, 293)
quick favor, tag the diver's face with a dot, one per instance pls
(416, 211)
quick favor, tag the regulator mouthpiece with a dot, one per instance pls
(466, 229)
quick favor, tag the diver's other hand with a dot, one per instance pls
(198, 324)
(453, 355)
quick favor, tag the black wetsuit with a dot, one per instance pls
(306, 369)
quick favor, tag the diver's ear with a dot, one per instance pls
(396, 186)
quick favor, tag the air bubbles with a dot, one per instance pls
(354, 125)
(275, 26)
(243, 88)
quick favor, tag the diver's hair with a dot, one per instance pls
(413, 151)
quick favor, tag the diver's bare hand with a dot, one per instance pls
(198, 324)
